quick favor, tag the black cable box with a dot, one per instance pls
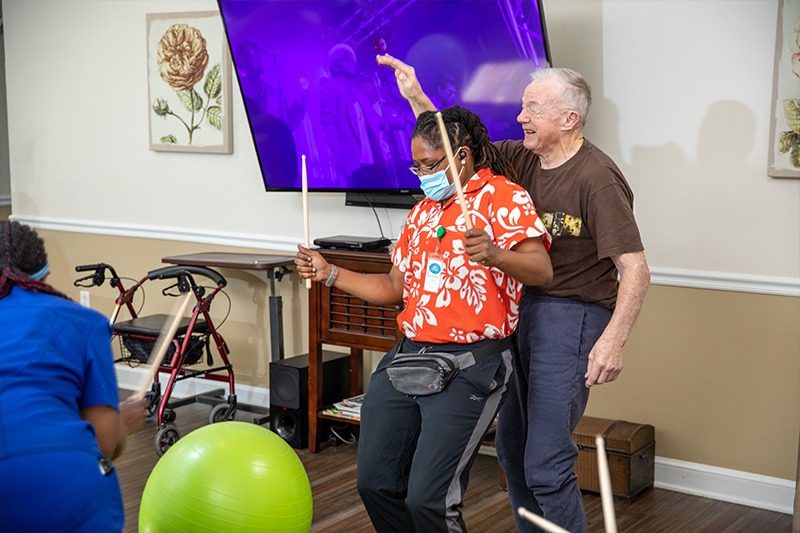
(350, 242)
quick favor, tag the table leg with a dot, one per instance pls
(275, 319)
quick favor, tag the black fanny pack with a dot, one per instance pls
(424, 373)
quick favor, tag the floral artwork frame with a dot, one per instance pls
(784, 145)
(189, 83)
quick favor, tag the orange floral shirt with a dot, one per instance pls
(473, 302)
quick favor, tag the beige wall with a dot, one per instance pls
(717, 373)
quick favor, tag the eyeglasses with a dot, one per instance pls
(425, 169)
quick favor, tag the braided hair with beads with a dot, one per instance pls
(464, 128)
(22, 254)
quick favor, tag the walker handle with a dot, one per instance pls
(183, 270)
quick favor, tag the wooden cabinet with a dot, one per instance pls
(339, 319)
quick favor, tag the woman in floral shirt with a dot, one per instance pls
(460, 290)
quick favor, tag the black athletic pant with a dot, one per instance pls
(415, 452)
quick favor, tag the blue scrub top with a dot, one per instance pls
(55, 359)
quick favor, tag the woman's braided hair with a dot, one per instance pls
(464, 128)
(22, 253)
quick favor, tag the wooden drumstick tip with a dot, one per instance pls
(543, 523)
(304, 176)
(606, 494)
(163, 343)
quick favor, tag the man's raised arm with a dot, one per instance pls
(408, 84)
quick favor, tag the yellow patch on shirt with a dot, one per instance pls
(562, 224)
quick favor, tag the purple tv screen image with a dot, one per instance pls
(311, 86)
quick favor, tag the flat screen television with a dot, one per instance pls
(311, 86)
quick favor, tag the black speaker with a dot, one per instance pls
(288, 393)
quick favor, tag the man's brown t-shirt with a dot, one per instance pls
(587, 207)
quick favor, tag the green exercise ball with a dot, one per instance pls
(227, 477)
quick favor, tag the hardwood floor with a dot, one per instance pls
(337, 507)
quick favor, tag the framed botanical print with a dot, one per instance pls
(189, 83)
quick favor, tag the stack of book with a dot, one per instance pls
(348, 408)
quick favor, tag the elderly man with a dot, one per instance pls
(572, 330)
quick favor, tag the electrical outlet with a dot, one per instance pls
(86, 299)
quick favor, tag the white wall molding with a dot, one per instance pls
(723, 281)
(735, 486)
(696, 279)
(265, 242)
(5, 200)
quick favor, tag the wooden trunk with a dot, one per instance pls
(630, 448)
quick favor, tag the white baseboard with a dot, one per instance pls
(131, 379)
(734, 486)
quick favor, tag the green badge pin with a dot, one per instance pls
(440, 231)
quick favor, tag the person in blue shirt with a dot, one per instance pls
(61, 423)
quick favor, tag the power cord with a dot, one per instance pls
(366, 198)
(332, 439)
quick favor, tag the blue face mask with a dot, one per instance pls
(436, 187)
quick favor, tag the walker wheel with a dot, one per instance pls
(169, 416)
(166, 438)
(223, 412)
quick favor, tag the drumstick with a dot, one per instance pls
(543, 523)
(305, 211)
(606, 496)
(448, 150)
(163, 342)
